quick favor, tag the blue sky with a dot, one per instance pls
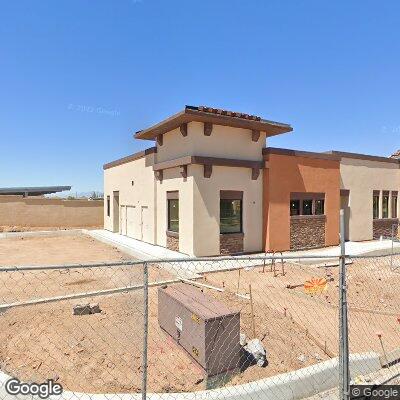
(78, 77)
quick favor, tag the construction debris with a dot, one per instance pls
(256, 350)
(86, 309)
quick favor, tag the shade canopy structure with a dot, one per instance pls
(32, 191)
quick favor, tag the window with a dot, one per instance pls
(320, 207)
(294, 207)
(307, 207)
(108, 206)
(307, 204)
(394, 205)
(231, 211)
(375, 205)
(385, 206)
(173, 215)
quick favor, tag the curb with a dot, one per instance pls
(294, 385)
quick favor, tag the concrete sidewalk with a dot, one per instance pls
(135, 248)
(352, 249)
(147, 251)
(192, 268)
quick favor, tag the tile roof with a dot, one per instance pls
(216, 116)
(225, 112)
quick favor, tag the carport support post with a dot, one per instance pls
(344, 374)
(145, 327)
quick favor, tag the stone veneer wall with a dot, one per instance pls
(383, 227)
(173, 243)
(307, 232)
(231, 243)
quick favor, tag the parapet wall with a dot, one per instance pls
(44, 212)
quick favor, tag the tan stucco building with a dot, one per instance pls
(201, 160)
(369, 192)
(210, 186)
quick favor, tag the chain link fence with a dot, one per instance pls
(221, 328)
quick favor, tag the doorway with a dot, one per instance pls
(116, 212)
(345, 205)
(145, 233)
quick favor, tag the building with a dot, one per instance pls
(210, 186)
(369, 191)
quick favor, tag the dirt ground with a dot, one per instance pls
(102, 353)
(70, 249)
(7, 228)
(373, 300)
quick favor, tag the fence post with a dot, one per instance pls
(391, 254)
(145, 327)
(344, 374)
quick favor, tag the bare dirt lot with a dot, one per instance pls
(7, 228)
(70, 249)
(102, 353)
(373, 301)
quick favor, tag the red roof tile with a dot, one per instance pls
(226, 112)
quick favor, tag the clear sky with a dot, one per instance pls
(79, 77)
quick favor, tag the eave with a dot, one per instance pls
(271, 128)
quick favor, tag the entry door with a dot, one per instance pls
(131, 221)
(145, 233)
(116, 212)
(123, 224)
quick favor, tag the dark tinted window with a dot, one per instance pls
(230, 216)
(294, 207)
(173, 215)
(319, 207)
(376, 207)
(307, 207)
(385, 207)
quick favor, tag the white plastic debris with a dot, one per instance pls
(317, 357)
(302, 358)
(243, 339)
(257, 350)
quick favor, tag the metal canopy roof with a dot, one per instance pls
(33, 191)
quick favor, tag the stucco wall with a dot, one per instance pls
(139, 194)
(45, 212)
(206, 199)
(362, 177)
(224, 142)
(173, 181)
(286, 174)
(198, 196)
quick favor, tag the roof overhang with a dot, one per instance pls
(130, 158)
(194, 114)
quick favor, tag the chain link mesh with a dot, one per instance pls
(288, 307)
